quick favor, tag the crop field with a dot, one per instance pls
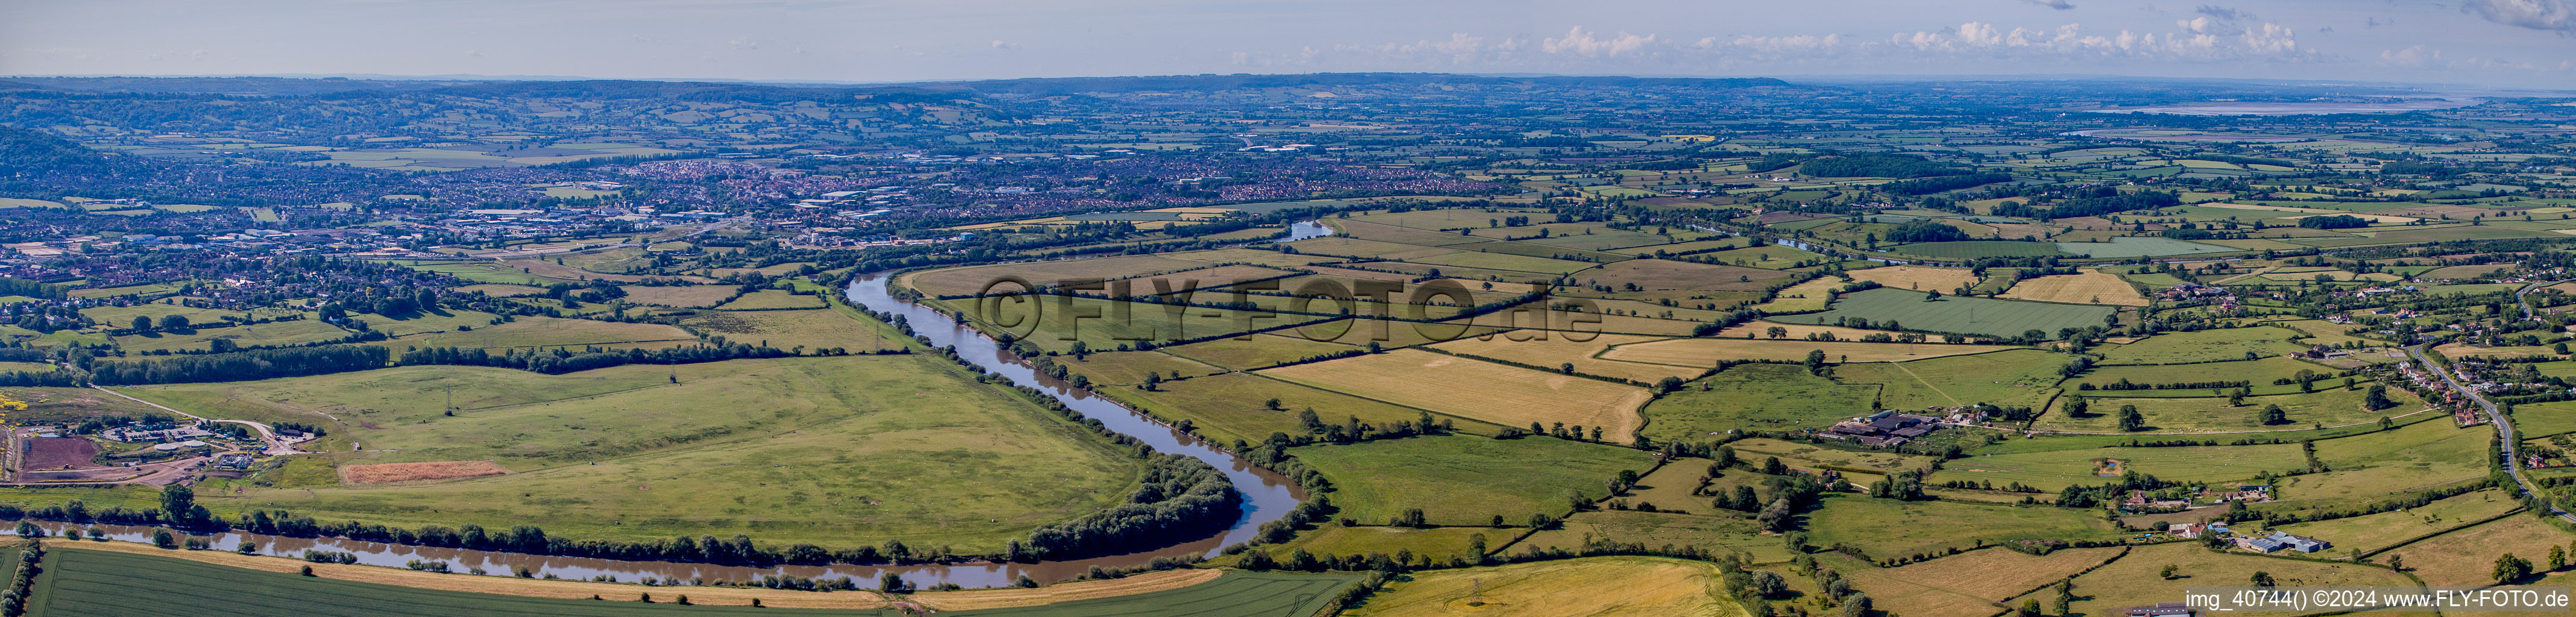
(2019, 377)
(1100, 324)
(1887, 528)
(1355, 248)
(1678, 280)
(275, 333)
(1233, 406)
(1558, 350)
(1918, 278)
(527, 331)
(1465, 479)
(2386, 529)
(2204, 346)
(2052, 470)
(954, 282)
(1707, 352)
(1263, 351)
(79, 580)
(1971, 583)
(809, 329)
(2134, 581)
(442, 320)
(2328, 406)
(2091, 287)
(1497, 393)
(1977, 248)
(1128, 368)
(1754, 396)
(2467, 557)
(121, 316)
(2139, 246)
(385, 473)
(1803, 297)
(1628, 586)
(681, 296)
(820, 438)
(1954, 314)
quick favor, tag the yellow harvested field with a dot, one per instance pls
(1557, 350)
(1918, 277)
(1497, 393)
(412, 472)
(1968, 584)
(1624, 586)
(1804, 297)
(1707, 352)
(2091, 287)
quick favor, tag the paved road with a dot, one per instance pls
(276, 446)
(2503, 424)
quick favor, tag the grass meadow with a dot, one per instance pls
(1985, 316)
(1465, 479)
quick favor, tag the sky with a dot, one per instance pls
(2492, 43)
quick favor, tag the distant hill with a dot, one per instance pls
(24, 151)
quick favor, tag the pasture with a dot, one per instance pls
(1496, 393)
(2204, 346)
(1803, 297)
(1717, 531)
(2055, 469)
(2328, 406)
(2018, 377)
(2413, 457)
(1755, 397)
(1954, 314)
(271, 334)
(772, 299)
(957, 282)
(542, 332)
(785, 449)
(1887, 528)
(2373, 532)
(1234, 406)
(680, 296)
(1628, 586)
(1918, 278)
(808, 329)
(79, 579)
(2134, 580)
(1465, 479)
(2467, 557)
(1262, 351)
(1236, 594)
(1967, 584)
(1819, 458)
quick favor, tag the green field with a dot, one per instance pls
(1237, 594)
(418, 323)
(1977, 248)
(2204, 346)
(1234, 406)
(1985, 316)
(1717, 532)
(2330, 406)
(2018, 377)
(770, 299)
(550, 332)
(809, 329)
(2260, 372)
(2386, 529)
(2055, 469)
(1467, 480)
(1887, 528)
(1262, 351)
(2413, 457)
(276, 334)
(88, 582)
(2138, 246)
(1756, 397)
(836, 451)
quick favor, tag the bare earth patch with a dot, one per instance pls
(382, 473)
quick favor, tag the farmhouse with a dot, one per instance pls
(2186, 530)
(1883, 429)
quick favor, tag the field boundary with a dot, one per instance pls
(2428, 536)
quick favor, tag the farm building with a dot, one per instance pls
(2281, 540)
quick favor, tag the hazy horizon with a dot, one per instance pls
(2488, 43)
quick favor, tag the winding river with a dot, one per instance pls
(1267, 495)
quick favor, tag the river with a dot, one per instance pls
(1267, 496)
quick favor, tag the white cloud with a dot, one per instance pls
(1580, 42)
(2559, 15)
(2054, 4)
(2414, 56)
